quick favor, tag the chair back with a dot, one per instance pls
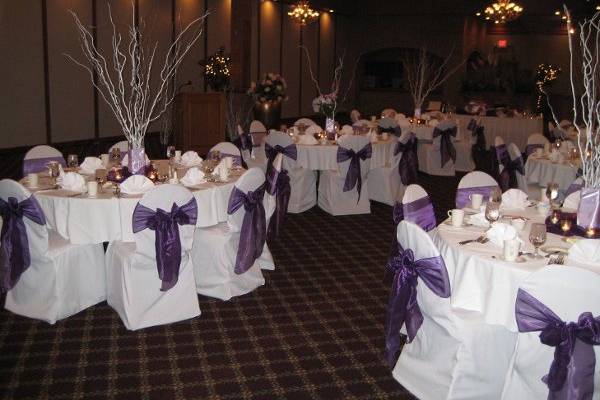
(474, 182)
(37, 157)
(251, 180)
(312, 129)
(227, 149)
(123, 146)
(517, 167)
(354, 115)
(23, 245)
(416, 207)
(575, 186)
(356, 143)
(305, 121)
(572, 201)
(387, 124)
(534, 141)
(283, 140)
(388, 113)
(548, 298)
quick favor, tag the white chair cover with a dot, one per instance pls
(416, 207)
(306, 121)
(256, 158)
(303, 182)
(215, 250)
(354, 115)
(453, 355)
(475, 179)
(388, 113)
(567, 292)
(430, 159)
(331, 195)
(62, 279)
(515, 154)
(37, 157)
(228, 149)
(266, 258)
(385, 185)
(576, 185)
(123, 146)
(572, 200)
(312, 129)
(132, 275)
(536, 140)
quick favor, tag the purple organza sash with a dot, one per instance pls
(254, 226)
(508, 176)
(245, 142)
(573, 187)
(588, 214)
(478, 132)
(272, 151)
(409, 162)
(353, 176)
(419, 212)
(502, 156)
(447, 150)
(14, 245)
(571, 374)
(402, 306)
(462, 194)
(278, 184)
(237, 159)
(530, 148)
(167, 242)
(34, 165)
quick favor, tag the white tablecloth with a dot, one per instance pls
(485, 284)
(513, 130)
(83, 220)
(544, 171)
(324, 157)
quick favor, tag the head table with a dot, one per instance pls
(104, 218)
(481, 281)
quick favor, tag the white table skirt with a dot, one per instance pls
(484, 284)
(324, 157)
(82, 220)
(513, 130)
(542, 172)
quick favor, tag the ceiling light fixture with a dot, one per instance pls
(502, 11)
(302, 13)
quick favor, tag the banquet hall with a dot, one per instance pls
(311, 199)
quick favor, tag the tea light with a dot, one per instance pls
(565, 225)
(590, 232)
(554, 218)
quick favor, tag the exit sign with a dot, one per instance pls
(502, 43)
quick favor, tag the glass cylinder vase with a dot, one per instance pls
(330, 128)
(417, 113)
(136, 162)
(588, 213)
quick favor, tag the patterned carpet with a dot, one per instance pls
(314, 331)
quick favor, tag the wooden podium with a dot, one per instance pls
(199, 121)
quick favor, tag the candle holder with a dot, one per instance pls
(555, 217)
(565, 226)
(590, 232)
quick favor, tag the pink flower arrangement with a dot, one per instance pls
(271, 88)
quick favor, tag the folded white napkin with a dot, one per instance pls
(347, 130)
(192, 177)
(125, 159)
(514, 198)
(499, 232)
(307, 139)
(433, 122)
(71, 181)
(222, 170)
(479, 220)
(586, 251)
(311, 130)
(136, 184)
(191, 159)
(90, 165)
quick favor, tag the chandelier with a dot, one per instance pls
(502, 11)
(302, 13)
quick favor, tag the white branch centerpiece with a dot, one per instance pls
(123, 78)
(425, 73)
(327, 104)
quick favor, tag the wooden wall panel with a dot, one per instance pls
(22, 115)
(291, 65)
(218, 24)
(189, 70)
(308, 90)
(326, 43)
(270, 24)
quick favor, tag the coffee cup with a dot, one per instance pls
(511, 249)
(476, 200)
(33, 180)
(457, 216)
(92, 188)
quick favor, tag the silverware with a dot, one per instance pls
(551, 253)
(558, 260)
(481, 239)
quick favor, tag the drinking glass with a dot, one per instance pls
(101, 176)
(170, 152)
(115, 156)
(552, 193)
(72, 161)
(537, 237)
(492, 211)
(53, 171)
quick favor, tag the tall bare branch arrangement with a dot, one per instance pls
(425, 73)
(239, 112)
(124, 75)
(586, 94)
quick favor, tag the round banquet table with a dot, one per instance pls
(512, 129)
(542, 171)
(480, 280)
(324, 157)
(105, 218)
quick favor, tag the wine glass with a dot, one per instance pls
(170, 152)
(537, 237)
(115, 156)
(72, 161)
(53, 171)
(552, 193)
(492, 211)
(101, 177)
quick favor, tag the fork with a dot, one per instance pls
(481, 239)
(559, 260)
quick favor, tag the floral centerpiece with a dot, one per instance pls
(268, 94)
(326, 104)
(216, 70)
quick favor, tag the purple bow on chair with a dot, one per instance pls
(167, 242)
(353, 176)
(508, 176)
(419, 212)
(478, 132)
(573, 187)
(254, 226)
(447, 150)
(571, 374)
(409, 163)
(272, 151)
(278, 184)
(403, 307)
(14, 245)
(34, 165)
(463, 194)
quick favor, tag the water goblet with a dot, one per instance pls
(53, 171)
(552, 193)
(115, 156)
(170, 152)
(101, 177)
(537, 237)
(72, 161)
(492, 211)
